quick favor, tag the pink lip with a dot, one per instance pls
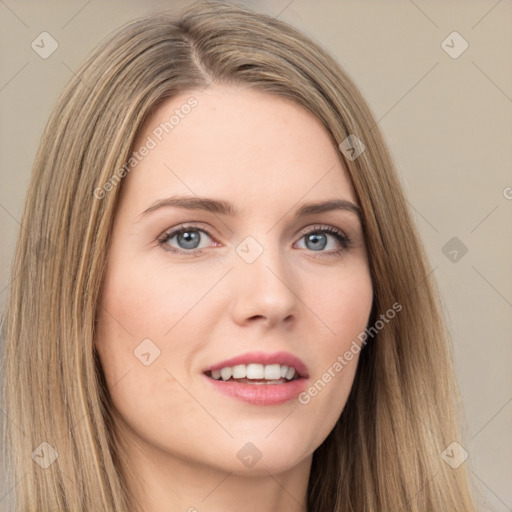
(262, 394)
(284, 358)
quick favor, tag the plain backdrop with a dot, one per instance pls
(447, 119)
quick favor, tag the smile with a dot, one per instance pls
(254, 373)
(260, 378)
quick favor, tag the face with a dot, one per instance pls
(250, 286)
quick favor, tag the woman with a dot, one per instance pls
(182, 335)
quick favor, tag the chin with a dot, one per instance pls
(260, 456)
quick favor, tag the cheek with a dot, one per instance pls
(148, 300)
(343, 303)
(137, 309)
(148, 314)
(350, 318)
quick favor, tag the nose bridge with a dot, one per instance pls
(263, 280)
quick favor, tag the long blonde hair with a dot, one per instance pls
(384, 453)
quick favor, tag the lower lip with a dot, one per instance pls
(260, 394)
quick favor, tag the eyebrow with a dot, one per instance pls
(221, 207)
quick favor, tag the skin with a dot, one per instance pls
(267, 156)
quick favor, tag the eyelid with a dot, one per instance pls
(321, 227)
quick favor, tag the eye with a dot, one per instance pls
(317, 240)
(188, 239)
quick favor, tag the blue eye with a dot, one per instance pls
(187, 240)
(318, 239)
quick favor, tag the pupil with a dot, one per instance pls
(319, 241)
(189, 238)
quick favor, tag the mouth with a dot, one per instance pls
(259, 378)
(254, 373)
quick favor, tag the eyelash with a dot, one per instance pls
(343, 239)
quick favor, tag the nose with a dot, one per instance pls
(264, 290)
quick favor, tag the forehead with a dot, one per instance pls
(234, 142)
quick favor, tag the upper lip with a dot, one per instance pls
(283, 358)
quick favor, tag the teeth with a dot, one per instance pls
(290, 373)
(226, 373)
(239, 371)
(255, 371)
(272, 371)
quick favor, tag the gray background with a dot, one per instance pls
(447, 121)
